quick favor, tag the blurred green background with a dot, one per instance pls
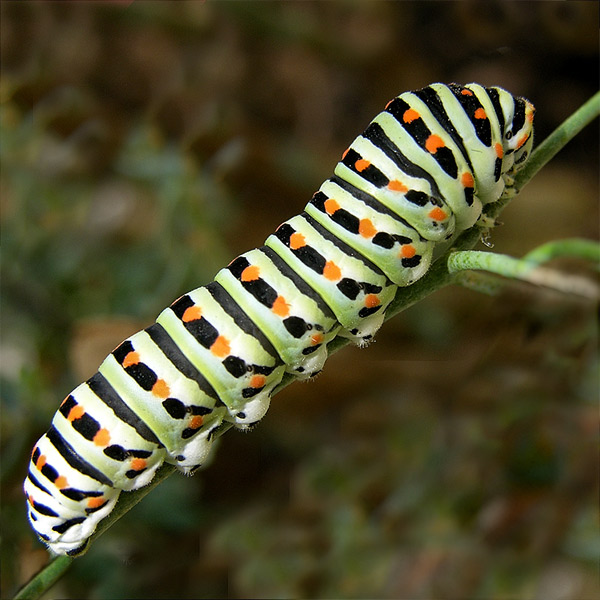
(146, 144)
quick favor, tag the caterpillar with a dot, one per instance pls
(418, 175)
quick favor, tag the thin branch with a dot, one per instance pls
(574, 247)
(45, 578)
(525, 270)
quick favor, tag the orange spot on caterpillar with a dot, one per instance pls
(331, 206)
(280, 307)
(410, 115)
(196, 422)
(407, 251)
(499, 150)
(316, 339)
(161, 389)
(41, 461)
(331, 271)
(372, 300)
(258, 381)
(387, 105)
(30, 499)
(466, 92)
(250, 273)
(137, 464)
(297, 241)
(345, 152)
(480, 114)
(366, 228)
(437, 214)
(522, 141)
(467, 180)
(192, 313)
(95, 502)
(220, 347)
(132, 358)
(102, 438)
(61, 482)
(434, 143)
(361, 164)
(76, 413)
(397, 186)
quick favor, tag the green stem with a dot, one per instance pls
(437, 277)
(501, 264)
(579, 248)
(45, 578)
(528, 270)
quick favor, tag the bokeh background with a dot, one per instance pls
(146, 144)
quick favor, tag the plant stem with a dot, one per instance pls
(525, 270)
(45, 578)
(585, 249)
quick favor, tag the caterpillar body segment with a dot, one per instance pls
(357, 290)
(387, 240)
(398, 183)
(418, 175)
(163, 395)
(224, 344)
(288, 311)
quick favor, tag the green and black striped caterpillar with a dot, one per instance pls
(418, 175)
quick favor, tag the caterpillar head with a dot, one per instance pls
(518, 131)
